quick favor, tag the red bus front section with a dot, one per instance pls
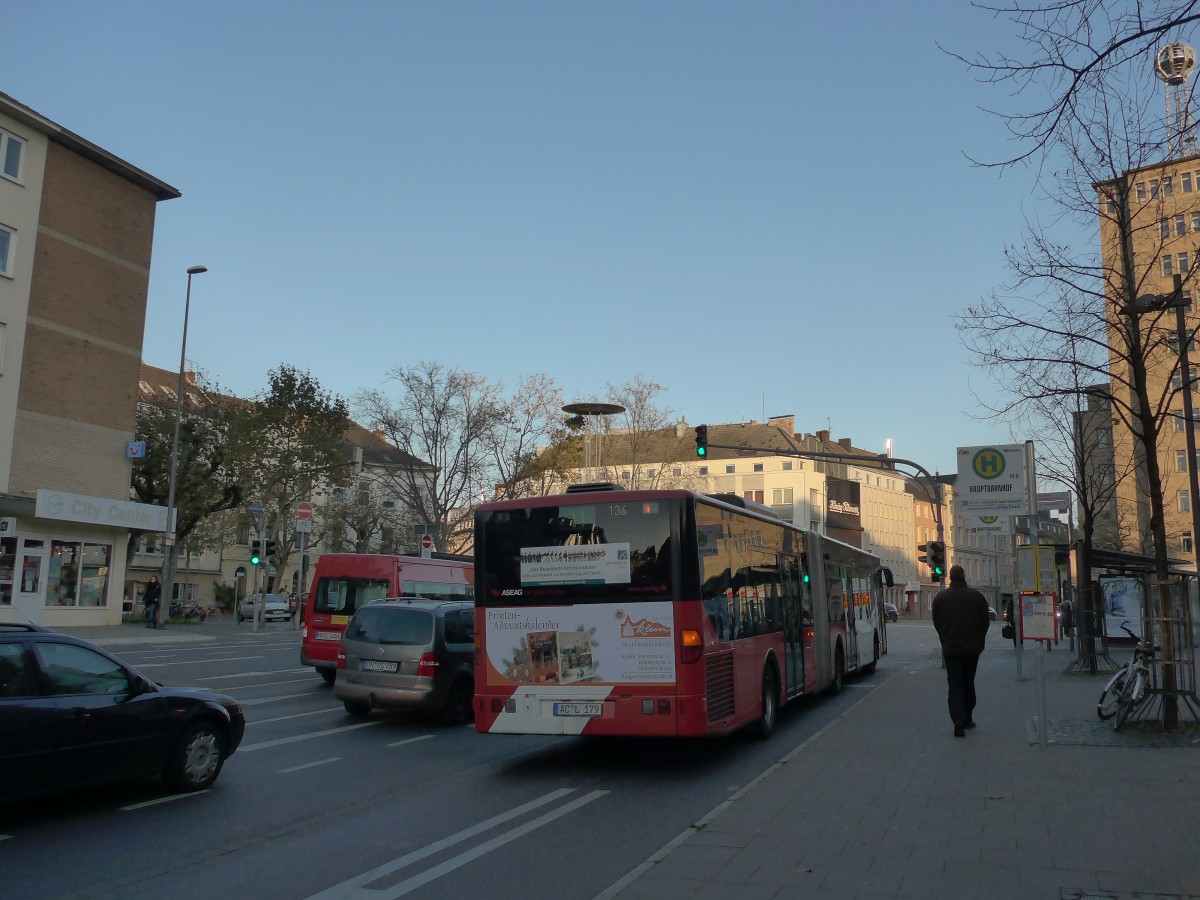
(343, 582)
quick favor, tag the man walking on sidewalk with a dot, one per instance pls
(960, 615)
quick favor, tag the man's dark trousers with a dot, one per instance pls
(960, 678)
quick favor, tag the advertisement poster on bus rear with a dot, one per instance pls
(601, 643)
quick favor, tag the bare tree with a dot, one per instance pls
(1095, 141)
(1075, 51)
(446, 418)
(532, 422)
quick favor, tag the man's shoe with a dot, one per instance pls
(970, 723)
(959, 731)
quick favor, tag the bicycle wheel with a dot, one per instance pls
(1110, 699)
(1127, 701)
(213, 615)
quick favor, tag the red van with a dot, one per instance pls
(343, 582)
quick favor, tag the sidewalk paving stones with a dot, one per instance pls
(884, 802)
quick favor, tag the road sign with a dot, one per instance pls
(255, 509)
(304, 510)
(992, 481)
(426, 545)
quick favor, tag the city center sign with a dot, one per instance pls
(993, 481)
(99, 511)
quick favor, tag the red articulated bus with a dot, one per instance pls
(661, 613)
(345, 581)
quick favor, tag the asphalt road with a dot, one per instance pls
(315, 803)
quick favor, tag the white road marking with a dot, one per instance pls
(259, 701)
(192, 662)
(159, 800)
(256, 674)
(254, 684)
(5, 837)
(354, 887)
(279, 742)
(315, 712)
(319, 762)
(423, 737)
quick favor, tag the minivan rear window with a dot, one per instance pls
(391, 625)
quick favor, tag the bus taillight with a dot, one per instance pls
(692, 647)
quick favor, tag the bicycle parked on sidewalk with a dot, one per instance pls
(1127, 688)
(191, 609)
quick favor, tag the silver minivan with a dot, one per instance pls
(409, 653)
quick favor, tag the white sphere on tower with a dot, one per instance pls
(1174, 62)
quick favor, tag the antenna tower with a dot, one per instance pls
(1174, 64)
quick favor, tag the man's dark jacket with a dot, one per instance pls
(960, 615)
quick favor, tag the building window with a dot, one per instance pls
(651, 473)
(1184, 504)
(677, 471)
(781, 496)
(1168, 187)
(1141, 190)
(1183, 263)
(1187, 299)
(703, 470)
(1173, 342)
(625, 476)
(1196, 221)
(11, 148)
(729, 470)
(1177, 380)
(787, 465)
(1110, 205)
(1185, 182)
(1180, 460)
(1153, 188)
(78, 574)
(758, 467)
(1168, 266)
(1186, 540)
(1180, 226)
(1164, 228)
(756, 496)
(6, 244)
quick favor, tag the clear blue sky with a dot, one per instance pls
(766, 207)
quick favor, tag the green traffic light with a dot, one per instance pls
(702, 451)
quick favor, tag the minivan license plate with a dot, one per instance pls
(375, 665)
(578, 709)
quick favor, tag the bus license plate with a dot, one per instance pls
(578, 709)
(328, 636)
(375, 665)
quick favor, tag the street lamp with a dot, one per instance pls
(168, 576)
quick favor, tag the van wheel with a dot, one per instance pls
(458, 705)
(839, 673)
(765, 727)
(357, 708)
(328, 674)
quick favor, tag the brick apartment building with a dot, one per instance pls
(76, 234)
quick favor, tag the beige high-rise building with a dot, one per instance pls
(1164, 201)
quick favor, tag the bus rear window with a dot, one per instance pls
(580, 553)
(436, 590)
(342, 596)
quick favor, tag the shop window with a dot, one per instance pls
(8, 566)
(78, 574)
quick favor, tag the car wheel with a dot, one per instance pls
(197, 758)
(357, 708)
(458, 705)
(330, 675)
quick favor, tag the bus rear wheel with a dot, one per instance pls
(839, 672)
(765, 727)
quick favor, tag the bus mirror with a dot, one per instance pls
(886, 574)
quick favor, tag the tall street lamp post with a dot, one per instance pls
(168, 574)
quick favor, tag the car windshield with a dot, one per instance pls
(391, 625)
